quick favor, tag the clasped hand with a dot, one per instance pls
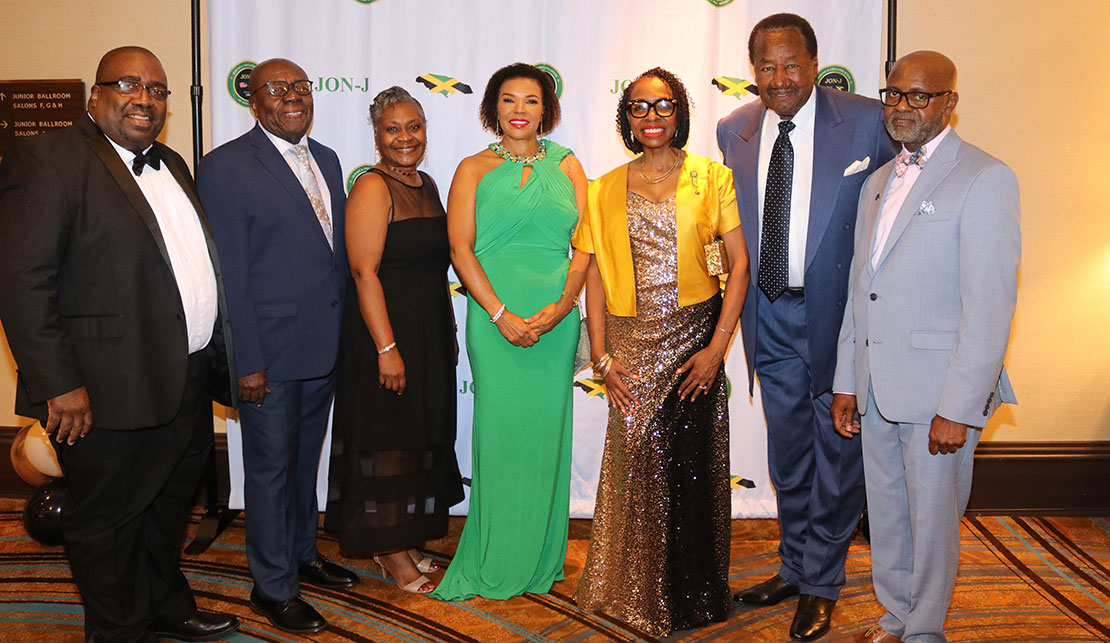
(526, 332)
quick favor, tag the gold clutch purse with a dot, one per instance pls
(716, 258)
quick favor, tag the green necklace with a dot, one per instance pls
(504, 153)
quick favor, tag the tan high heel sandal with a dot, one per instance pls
(411, 588)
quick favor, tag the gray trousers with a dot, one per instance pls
(914, 504)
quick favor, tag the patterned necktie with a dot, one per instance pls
(312, 189)
(774, 240)
(904, 161)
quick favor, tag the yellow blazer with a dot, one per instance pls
(705, 208)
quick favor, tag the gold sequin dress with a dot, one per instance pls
(659, 550)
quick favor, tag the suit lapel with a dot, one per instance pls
(126, 182)
(747, 172)
(874, 207)
(831, 150)
(276, 165)
(942, 161)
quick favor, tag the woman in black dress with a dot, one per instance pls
(393, 467)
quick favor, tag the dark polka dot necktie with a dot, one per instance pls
(774, 239)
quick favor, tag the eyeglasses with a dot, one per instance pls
(279, 88)
(130, 87)
(916, 100)
(663, 107)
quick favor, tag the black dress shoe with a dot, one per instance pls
(812, 619)
(293, 615)
(324, 573)
(203, 626)
(769, 592)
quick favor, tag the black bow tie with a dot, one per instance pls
(151, 158)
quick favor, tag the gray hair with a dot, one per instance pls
(388, 98)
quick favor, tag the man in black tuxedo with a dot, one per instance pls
(112, 301)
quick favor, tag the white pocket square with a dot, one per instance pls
(857, 166)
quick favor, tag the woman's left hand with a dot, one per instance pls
(701, 370)
(548, 317)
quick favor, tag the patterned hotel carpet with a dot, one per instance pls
(1021, 579)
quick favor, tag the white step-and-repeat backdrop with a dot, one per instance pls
(444, 51)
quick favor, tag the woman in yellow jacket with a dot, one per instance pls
(659, 329)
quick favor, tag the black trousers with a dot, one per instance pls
(127, 499)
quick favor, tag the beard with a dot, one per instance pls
(918, 133)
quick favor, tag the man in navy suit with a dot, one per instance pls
(275, 199)
(799, 157)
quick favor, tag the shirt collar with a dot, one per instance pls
(281, 144)
(932, 144)
(804, 119)
(126, 155)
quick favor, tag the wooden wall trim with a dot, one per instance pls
(1046, 478)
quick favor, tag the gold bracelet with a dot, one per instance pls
(601, 369)
(383, 351)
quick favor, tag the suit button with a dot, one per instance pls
(334, 303)
(874, 296)
(866, 342)
(847, 225)
(838, 266)
(180, 316)
(839, 303)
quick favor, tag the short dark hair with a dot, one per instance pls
(388, 98)
(780, 21)
(487, 112)
(683, 106)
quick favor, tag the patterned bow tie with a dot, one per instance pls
(904, 161)
(151, 158)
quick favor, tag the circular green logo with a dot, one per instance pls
(555, 75)
(239, 82)
(719, 3)
(357, 172)
(836, 77)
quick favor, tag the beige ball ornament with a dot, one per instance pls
(33, 457)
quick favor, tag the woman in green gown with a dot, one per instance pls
(510, 215)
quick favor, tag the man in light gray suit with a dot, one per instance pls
(931, 295)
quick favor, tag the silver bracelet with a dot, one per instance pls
(383, 351)
(727, 332)
(497, 315)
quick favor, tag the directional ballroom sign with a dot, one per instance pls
(29, 107)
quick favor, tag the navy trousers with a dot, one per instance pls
(818, 475)
(282, 440)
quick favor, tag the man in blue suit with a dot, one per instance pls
(275, 199)
(932, 292)
(799, 157)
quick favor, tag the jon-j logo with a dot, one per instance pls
(239, 82)
(836, 77)
(555, 75)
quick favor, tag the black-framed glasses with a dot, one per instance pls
(917, 100)
(131, 87)
(279, 88)
(663, 107)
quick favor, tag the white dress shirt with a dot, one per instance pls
(284, 148)
(896, 194)
(801, 139)
(184, 237)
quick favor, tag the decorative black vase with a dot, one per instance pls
(42, 515)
